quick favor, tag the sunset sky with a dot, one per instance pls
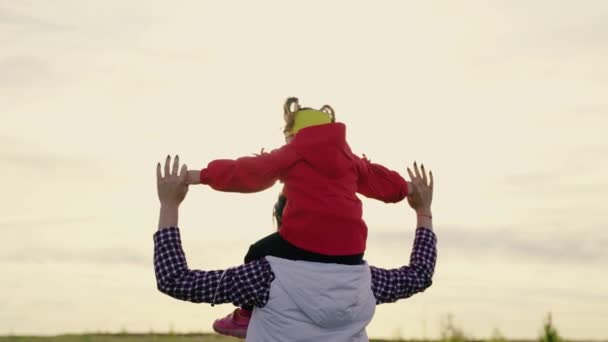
(506, 101)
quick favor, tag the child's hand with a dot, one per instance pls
(193, 177)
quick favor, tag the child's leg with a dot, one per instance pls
(272, 244)
(236, 323)
(275, 245)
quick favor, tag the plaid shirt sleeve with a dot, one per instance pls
(391, 285)
(244, 285)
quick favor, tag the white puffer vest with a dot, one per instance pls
(314, 302)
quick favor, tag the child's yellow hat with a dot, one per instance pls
(307, 118)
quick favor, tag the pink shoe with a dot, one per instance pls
(235, 324)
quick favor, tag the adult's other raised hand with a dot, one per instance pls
(172, 187)
(422, 195)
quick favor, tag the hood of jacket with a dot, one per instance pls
(325, 148)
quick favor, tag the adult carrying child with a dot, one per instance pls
(323, 218)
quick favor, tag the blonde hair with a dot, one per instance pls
(292, 106)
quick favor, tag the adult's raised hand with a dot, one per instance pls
(422, 195)
(172, 187)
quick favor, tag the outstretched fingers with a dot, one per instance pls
(420, 176)
(171, 171)
(424, 178)
(409, 172)
(167, 163)
(159, 175)
(416, 170)
(175, 166)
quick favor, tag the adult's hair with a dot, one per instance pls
(277, 211)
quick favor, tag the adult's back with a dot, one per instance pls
(315, 302)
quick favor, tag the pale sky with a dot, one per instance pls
(506, 101)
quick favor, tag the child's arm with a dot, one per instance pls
(378, 182)
(246, 174)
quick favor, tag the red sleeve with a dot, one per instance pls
(378, 182)
(249, 174)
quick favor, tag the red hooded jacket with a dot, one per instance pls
(321, 177)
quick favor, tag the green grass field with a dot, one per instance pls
(449, 333)
(127, 338)
(122, 338)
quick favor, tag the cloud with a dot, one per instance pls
(27, 155)
(584, 295)
(39, 251)
(554, 185)
(589, 32)
(44, 222)
(590, 111)
(11, 19)
(45, 244)
(46, 162)
(24, 71)
(533, 178)
(571, 27)
(538, 184)
(567, 181)
(567, 248)
(105, 256)
(550, 44)
(42, 161)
